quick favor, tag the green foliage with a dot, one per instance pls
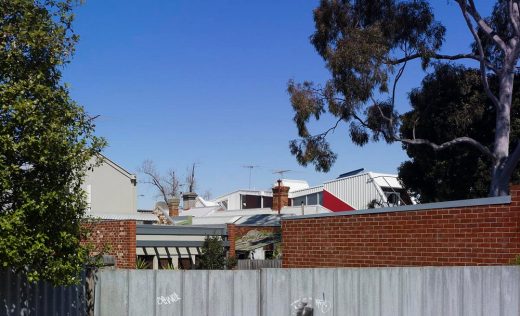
(231, 262)
(358, 41)
(278, 251)
(46, 142)
(213, 254)
(451, 103)
(366, 46)
(169, 266)
(141, 264)
(516, 261)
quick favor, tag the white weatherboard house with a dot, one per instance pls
(111, 192)
(353, 190)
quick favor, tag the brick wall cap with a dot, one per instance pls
(417, 207)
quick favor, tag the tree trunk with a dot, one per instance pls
(500, 177)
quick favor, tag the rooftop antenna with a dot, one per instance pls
(250, 167)
(282, 172)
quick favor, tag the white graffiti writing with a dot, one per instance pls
(303, 305)
(170, 299)
(323, 305)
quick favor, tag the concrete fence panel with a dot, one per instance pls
(475, 291)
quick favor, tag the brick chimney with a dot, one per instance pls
(173, 206)
(188, 200)
(280, 197)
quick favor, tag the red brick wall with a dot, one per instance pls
(475, 235)
(235, 232)
(119, 236)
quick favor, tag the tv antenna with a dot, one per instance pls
(250, 167)
(282, 172)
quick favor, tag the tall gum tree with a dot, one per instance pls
(366, 46)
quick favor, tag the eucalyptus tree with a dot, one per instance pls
(46, 143)
(453, 100)
(367, 45)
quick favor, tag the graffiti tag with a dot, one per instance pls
(303, 306)
(170, 299)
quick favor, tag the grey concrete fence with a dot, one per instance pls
(345, 291)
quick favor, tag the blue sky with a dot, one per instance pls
(179, 82)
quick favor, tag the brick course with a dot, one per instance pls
(474, 235)
(118, 235)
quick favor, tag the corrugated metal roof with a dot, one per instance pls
(136, 217)
(357, 191)
(308, 209)
(303, 192)
(386, 180)
(260, 220)
(199, 211)
(211, 220)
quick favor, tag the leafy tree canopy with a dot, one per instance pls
(366, 46)
(46, 142)
(449, 103)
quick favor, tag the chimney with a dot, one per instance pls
(280, 197)
(188, 200)
(173, 206)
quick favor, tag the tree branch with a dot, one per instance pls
(456, 141)
(483, 75)
(441, 57)
(482, 23)
(324, 134)
(514, 16)
(149, 170)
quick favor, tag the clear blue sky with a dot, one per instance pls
(204, 81)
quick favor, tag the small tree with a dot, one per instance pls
(46, 143)
(213, 254)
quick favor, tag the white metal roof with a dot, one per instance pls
(211, 220)
(294, 185)
(199, 211)
(307, 191)
(386, 180)
(308, 209)
(245, 192)
(137, 217)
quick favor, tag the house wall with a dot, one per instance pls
(356, 191)
(110, 190)
(118, 236)
(480, 233)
